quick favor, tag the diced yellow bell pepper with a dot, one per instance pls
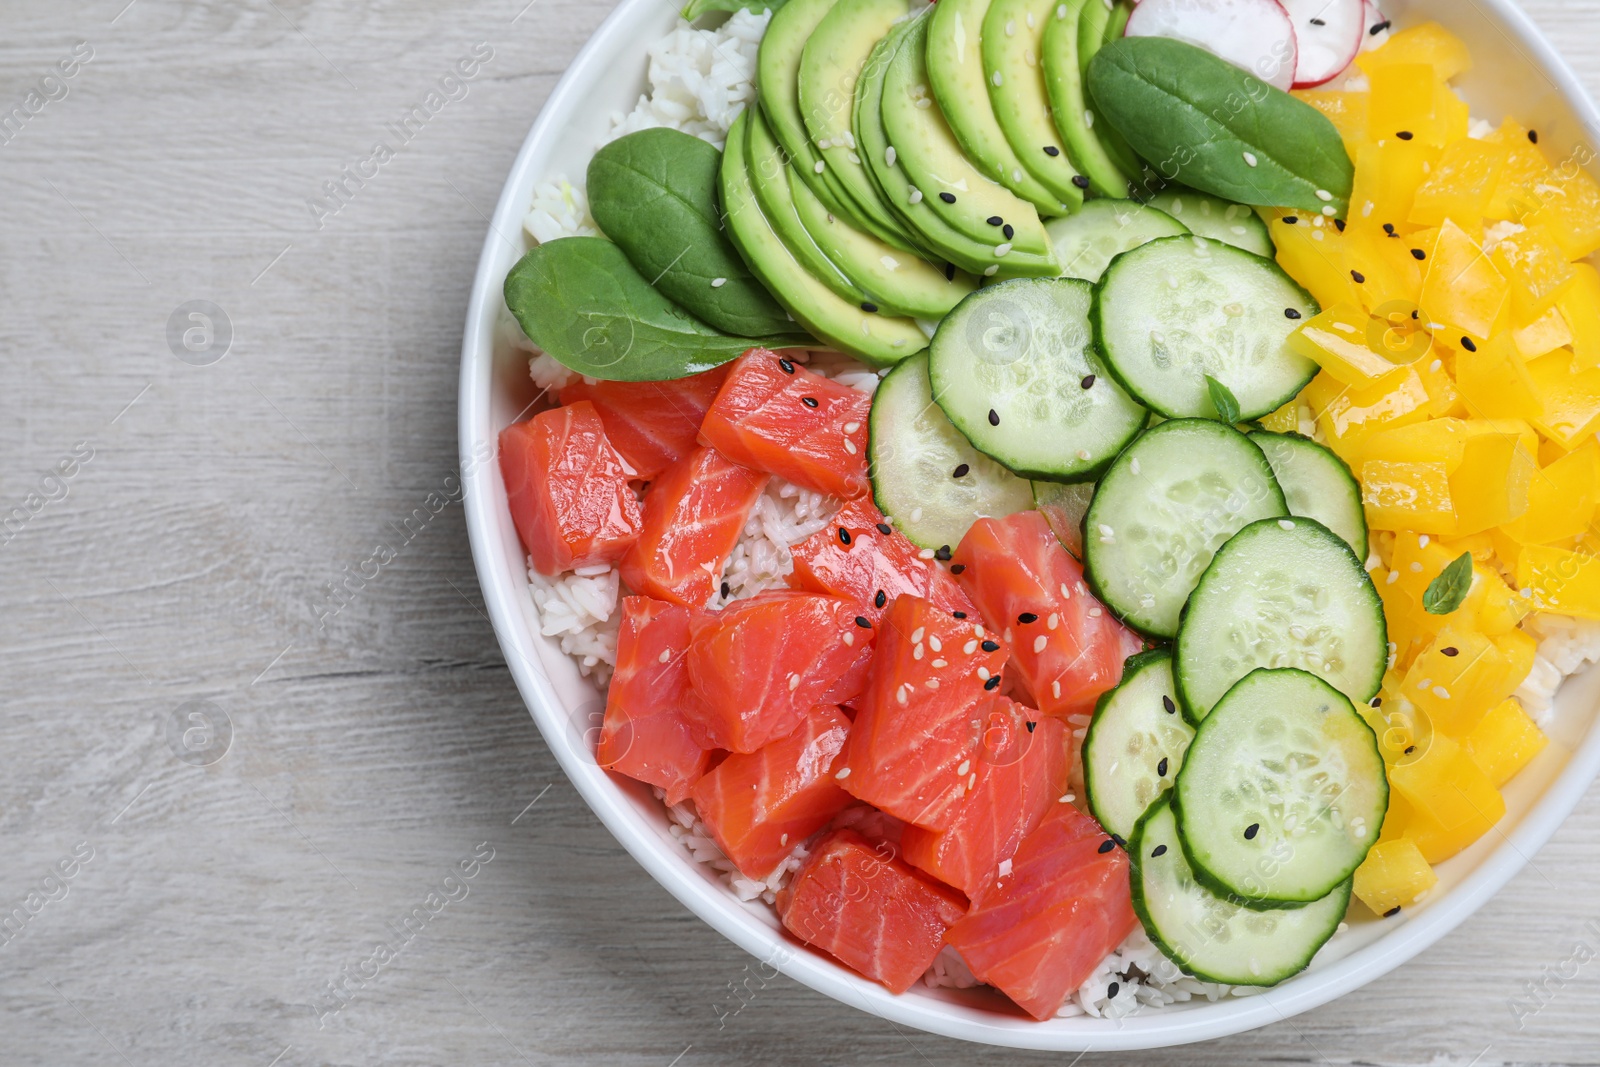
(1438, 842)
(1571, 398)
(1567, 200)
(1459, 187)
(1457, 679)
(1285, 420)
(1389, 281)
(1500, 610)
(1434, 441)
(1519, 649)
(1428, 43)
(1552, 331)
(1504, 741)
(1441, 783)
(1490, 488)
(1525, 167)
(1393, 875)
(1387, 176)
(1537, 267)
(1561, 581)
(1527, 440)
(1462, 287)
(1561, 498)
(1407, 496)
(1347, 414)
(1347, 112)
(1313, 255)
(1409, 98)
(1337, 340)
(1494, 382)
(1579, 308)
(1396, 818)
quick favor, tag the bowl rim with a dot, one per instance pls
(669, 865)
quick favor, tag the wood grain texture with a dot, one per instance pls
(189, 558)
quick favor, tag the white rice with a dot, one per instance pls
(1566, 646)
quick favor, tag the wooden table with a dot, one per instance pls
(179, 524)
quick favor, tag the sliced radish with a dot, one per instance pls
(1329, 34)
(1255, 35)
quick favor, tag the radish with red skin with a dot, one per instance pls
(1328, 34)
(1253, 35)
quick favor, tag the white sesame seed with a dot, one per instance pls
(916, 516)
(934, 643)
(916, 196)
(844, 772)
(1016, 174)
(889, 155)
(1323, 194)
(940, 663)
(794, 682)
(784, 840)
(718, 283)
(1133, 465)
(1285, 524)
(1394, 576)
(1053, 621)
(1330, 211)
(819, 168)
(972, 779)
(933, 683)
(1007, 635)
(1040, 642)
(1003, 248)
(825, 144)
(1441, 692)
(997, 79)
(991, 270)
(850, 639)
(917, 634)
(1061, 11)
(1005, 865)
(900, 696)
(1416, 568)
(1250, 158)
(916, 653)
(1422, 541)
(1066, 594)
(849, 446)
(1055, 689)
(666, 654)
(1435, 365)
(1088, 118)
(1011, 27)
(966, 765)
(1095, 613)
(924, 103)
(1083, 453)
(970, 647)
(983, 674)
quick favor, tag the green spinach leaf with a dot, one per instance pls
(1223, 400)
(695, 8)
(580, 300)
(1446, 592)
(1201, 121)
(654, 193)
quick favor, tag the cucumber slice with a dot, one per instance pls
(1213, 217)
(1087, 242)
(1211, 937)
(1282, 792)
(1162, 510)
(1317, 484)
(914, 453)
(1282, 593)
(1176, 311)
(1063, 505)
(1014, 368)
(1135, 744)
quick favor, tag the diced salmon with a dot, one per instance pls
(915, 750)
(760, 805)
(852, 683)
(1064, 643)
(693, 514)
(1029, 758)
(1040, 932)
(644, 734)
(651, 424)
(875, 914)
(860, 556)
(568, 489)
(778, 417)
(758, 665)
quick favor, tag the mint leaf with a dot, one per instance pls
(1223, 400)
(1446, 592)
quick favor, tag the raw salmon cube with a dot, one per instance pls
(652, 424)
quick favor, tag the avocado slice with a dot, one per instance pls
(1013, 74)
(1101, 24)
(877, 339)
(927, 152)
(830, 66)
(955, 71)
(906, 199)
(1063, 78)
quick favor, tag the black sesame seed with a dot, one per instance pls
(1338, 224)
(1357, 277)
(958, 614)
(869, 308)
(1118, 839)
(1388, 228)
(1107, 846)
(1533, 136)
(1377, 702)
(1413, 314)
(1417, 253)
(1168, 706)
(994, 417)
(863, 622)
(1113, 989)
(991, 646)
(1451, 651)
(949, 272)
(1026, 617)
(809, 401)
(1008, 231)
(1159, 850)
(788, 368)
(1291, 313)
(1405, 135)
(995, 220)
(1318, 22)
(1469, 344)
(1410, 749)
(959, 568)
(942, 553)
(1251, 831)
(1080, 181)
(725, 590)
(1380, 27)
(844, 536)
(1051, 150)
(961, 471)
(1161, 768)
(1392, 911)
(993, 682)
(948, 198)
(885, 529)
(1088, 381)
(1291, 219)
(1031, 725)
(881, 599)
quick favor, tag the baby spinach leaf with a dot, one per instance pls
(1446, 592)
(695, 8)
(1223, 400)
(654, 193)
(1202, 121)
(580, 300)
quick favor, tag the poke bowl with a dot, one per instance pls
(1148, 579)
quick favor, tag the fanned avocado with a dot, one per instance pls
(1014, 78)
(1063, 75)
(830, 66)
(1101, 24)
(955, 71)
(876, 339)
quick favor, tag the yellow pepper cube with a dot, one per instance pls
(1389, 280)
(1500, 610)
(1490, 488)
(1552, 330)
(1462, 287)
(1418, 560)
(1578, 309)
(1571, 398)
(1313, 255)
(1438, 842)
(1410, 98)
(1407, 496)
(1525, 167)
(1396, 818)
(1567, 200)
(1428, 43)
(1339, 341)
(1504, 741)
(1347, 415)
(1434, 441)
(1527, 440)
(1460, 185)
(1494, 382)
(1393, 875)
(1518, 649)
(1561, 581)
(1347, 112)
(1452, 681)
(1285, 420)
(1387, 176)
(1561, 498)
(1444, 787)
(1538, 269)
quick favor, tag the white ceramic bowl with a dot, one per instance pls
(1518, 73)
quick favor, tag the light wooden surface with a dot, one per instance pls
(373, 750)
